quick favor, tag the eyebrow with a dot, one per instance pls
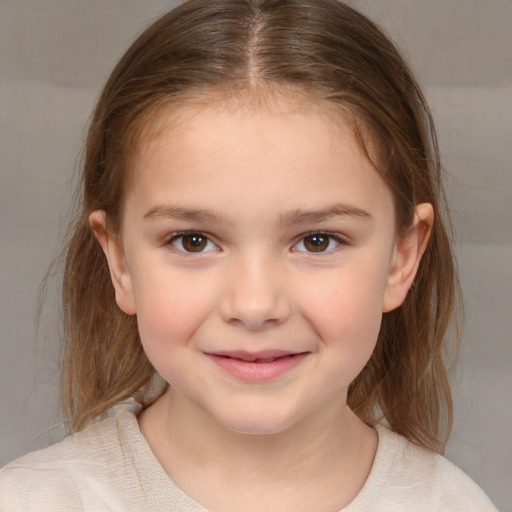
(187, 214)
(314, 216)
(287, 219)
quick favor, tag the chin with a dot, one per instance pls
(257, 423)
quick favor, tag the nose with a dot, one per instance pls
(256, 295)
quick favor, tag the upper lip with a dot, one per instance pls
(245, 355)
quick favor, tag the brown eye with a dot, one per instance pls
(192, 242)
(316, 243)
(319, 242)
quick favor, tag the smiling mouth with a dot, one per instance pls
(257, 366)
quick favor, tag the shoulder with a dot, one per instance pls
(69, 473)
(419, 479)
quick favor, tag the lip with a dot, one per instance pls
(257, 366)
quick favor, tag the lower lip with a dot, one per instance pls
(252, 371)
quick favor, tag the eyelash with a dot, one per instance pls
(175, 237)
(339, 240)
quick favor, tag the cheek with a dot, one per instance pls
(346, 311)
(358, 293)
(170, 309)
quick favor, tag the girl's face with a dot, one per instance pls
(258, 251)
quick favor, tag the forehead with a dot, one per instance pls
(234, 156)
(251, 128)
(168, 119)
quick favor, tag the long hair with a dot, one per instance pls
(331, 53)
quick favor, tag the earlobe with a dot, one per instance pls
(407, 257)
(113, 250)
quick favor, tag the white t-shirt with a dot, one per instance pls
(110, 466)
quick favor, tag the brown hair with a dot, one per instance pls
(330, 53)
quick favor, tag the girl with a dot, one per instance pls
(260, 271)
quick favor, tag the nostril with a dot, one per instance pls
(253, 324)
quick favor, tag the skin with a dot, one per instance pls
(245, 180)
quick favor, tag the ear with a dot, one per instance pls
(407, 257)
(119, 272)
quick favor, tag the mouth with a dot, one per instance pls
(257, 366)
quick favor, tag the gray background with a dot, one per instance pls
(54, 56)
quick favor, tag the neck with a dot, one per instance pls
(330, 450)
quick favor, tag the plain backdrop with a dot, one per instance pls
(54, 57)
